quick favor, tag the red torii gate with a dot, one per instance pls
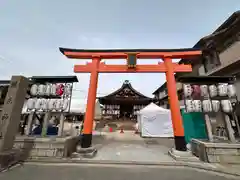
(168, 67)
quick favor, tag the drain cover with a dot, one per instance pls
(151, 141)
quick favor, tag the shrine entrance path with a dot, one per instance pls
(127, 146)
(109, 172)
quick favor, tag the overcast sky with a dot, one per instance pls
(31, 32)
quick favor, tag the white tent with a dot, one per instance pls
(154, 121)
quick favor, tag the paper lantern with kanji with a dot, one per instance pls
(67, 89)
(41, 89)
(31, 103)
(53, 89)
(226, 106)
(65, 104)
(52, 104)
(223, 89)
(38, 104)
(187, 88)
(44, 104)
(59, 104)
(34, 90)
(231, 90)
(207, 106)
(213, 90)
(60, 89)
(48, 89)
(215, 105)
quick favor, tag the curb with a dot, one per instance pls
(203, 166)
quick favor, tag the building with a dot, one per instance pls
(161, 95)
(124, 102)
(221, 57)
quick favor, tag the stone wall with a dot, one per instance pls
(216, 152)
(46, 147)
(223, 154)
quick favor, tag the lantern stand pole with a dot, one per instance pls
(45, 123)
(30, 122)
(70, 101)
(61, 125)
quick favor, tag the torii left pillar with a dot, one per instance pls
(92, 93)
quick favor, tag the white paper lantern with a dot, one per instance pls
(38, 104)
(41, 89)
(226, 106)
(189, 106)
(65, 104)
(207, 106)
(53, 89)
(223, 89)
(31, 103)
(216, 106)
(48, 89)
(68, 89)
(204, 91)
(44, 104)
(59, 104)
(231, 90)
(213, 90)
(52, 104)
(59, 89)
(187, 90)
(34, 89)
(197, 105)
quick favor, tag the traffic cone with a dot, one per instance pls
(121, 130)
(110, 129)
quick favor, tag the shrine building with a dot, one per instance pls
(124, 103)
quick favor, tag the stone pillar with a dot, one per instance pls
(12, 109)
(30, 123)
(61, 125)
(229, 129)
(209, 127)
(45, 123)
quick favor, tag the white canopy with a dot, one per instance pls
(153, 108)
(155, 121)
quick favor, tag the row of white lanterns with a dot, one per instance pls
(48, 104)
(208, 106)
(212, 90)
(50, 89)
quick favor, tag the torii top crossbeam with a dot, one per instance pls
(122, 53)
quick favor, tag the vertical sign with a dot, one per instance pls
(11, 113)
(132, 60)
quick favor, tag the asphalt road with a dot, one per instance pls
(106, 172)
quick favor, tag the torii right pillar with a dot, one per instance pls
(180, 143)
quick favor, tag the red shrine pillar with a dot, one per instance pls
(91, 101)
(180, 143)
